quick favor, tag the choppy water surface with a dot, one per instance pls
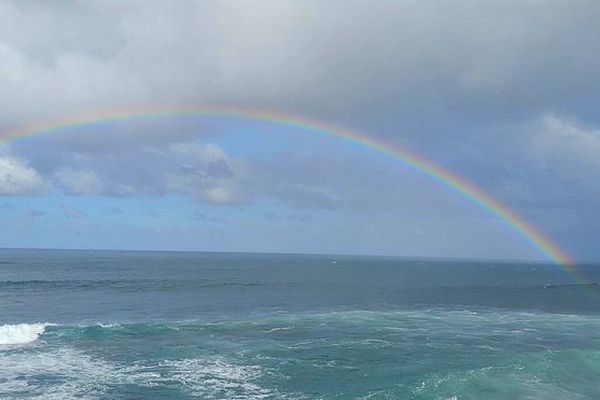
(134, 325)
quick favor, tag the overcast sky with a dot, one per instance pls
(503, 93)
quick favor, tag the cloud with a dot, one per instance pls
(116, 211)
(34, 214)
(477, 87)
(303, 196)
(418, 73)
(327, 59)
(77, 182)
(208, 218)
(71, 212)
(208, 174)
(202, 171)
(17, 178)
(561, 157)
(566, 146)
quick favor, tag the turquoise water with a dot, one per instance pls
(134, 325)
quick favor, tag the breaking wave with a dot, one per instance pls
(21, 333)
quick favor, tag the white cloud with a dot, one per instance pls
(17, 178)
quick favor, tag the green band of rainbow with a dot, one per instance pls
(410, 160)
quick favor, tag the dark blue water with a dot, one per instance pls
(159, 325)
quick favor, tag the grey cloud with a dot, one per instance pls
(300, 218)
(209, 219)
(34, 214)
(330, 180)
(564, 154)
(419, 73)
(302, 196)
(77, 182)
(566, 146)
(202, 171)
(116, 211)
(71, 212)
(317, 58)
(205, 172)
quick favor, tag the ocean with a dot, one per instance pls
(175, 325)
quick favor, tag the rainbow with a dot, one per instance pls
(410, 160)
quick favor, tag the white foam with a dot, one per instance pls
(76, 374)
(284, 328)
(21, 333)
(109, 325)
(217, 378)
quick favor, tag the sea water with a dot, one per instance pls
(167, 325)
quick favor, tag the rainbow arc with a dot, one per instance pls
(420, 165)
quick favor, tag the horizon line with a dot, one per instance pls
(538, 261)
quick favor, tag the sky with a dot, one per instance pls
(501, 93)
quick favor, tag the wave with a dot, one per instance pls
(561, 374)
(497, 322)
(449, 354)
(13, 334)
(68, 373)
(21, 333)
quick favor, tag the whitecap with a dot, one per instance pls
(284, 328)
(109, 325)
(21, 333)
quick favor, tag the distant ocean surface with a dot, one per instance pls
(166, 325)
